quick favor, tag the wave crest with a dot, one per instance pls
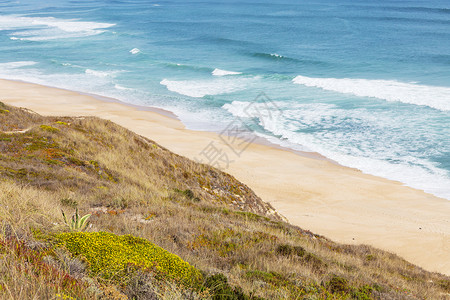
(135, 51)
(273, 56)
(16, 64)
(101, 73)
(49, 28)
(390, 90)
(219, 72)
(375, 143)
(201, 88)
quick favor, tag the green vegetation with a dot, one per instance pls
(288, 250)
(188, 194)
(109, 255)
(206, 225)
(69, 202)
(77, 223)
(49, 128)
(221, 290)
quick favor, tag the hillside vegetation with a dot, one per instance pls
(161, 227)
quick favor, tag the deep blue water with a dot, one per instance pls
(364, 83)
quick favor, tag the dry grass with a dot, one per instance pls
(131, 185)
(25, 274)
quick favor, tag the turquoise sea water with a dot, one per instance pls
(365, 83)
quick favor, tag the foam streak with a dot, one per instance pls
(390, 90)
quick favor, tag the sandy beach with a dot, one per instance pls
(340, 203)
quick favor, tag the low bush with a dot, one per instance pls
(337, 285)
(363, 293)
(109, 256)
(188, 194)
(288, 250)
(49, 128)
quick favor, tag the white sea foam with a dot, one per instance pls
(122, 88)
(101, 73)
(433, 96)
(16, 64)
(100, 84)
(354, 138)
(201, 88)
(48, 28)
(135, 51)
(219, 72)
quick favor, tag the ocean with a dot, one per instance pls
(364, 83)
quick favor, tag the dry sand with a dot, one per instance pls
(335, 201)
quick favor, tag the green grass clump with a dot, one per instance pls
(445, 284)
(363, 293)
(288, 250)
(338, 285)
(69, 202)
(188, 194)
(251, 216)
(49, 128)
(110, 255)
(221, 290)
(276, 281)
(272, 278)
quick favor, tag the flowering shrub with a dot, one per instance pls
(49, 128)
(110, 255)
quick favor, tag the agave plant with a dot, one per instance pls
(77, 223)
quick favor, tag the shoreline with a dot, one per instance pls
(314, 193)
(256, 139)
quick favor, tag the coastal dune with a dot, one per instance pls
(314, 193)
